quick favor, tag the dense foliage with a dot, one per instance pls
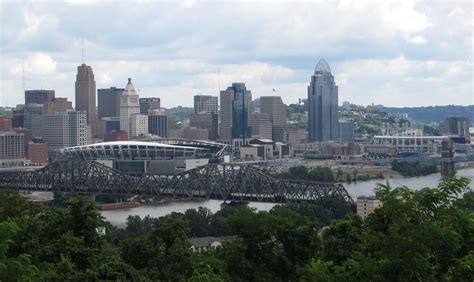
(434, 113)
(425, 235)
(414, 168)
(301, 172)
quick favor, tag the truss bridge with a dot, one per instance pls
(232, 182)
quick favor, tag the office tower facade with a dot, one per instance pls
(158, 123)
(38, 96)
(27, 134)
(455, 126)
(33, 119)
(206, 104)
(138, 125)
(346, 131)
(147, 104)
(57, 104)
(108, 101)
(274, 107)
(12, 146)
(18, 118)
(190, 132)
(65, 129)
(116, 136)
(206, 121)
(38, 153)
(129, 105)
(109, 124)
(323, 116)
(235, 108)
(260, 125)
(85, 96)
(5, 123)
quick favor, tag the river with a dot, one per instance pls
(355, 189)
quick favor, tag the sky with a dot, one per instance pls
(395, 53)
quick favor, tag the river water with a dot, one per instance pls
(355, 189)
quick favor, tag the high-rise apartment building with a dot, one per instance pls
(323, 116)
(65, 129)
(85, 96)
(129, 105)
(235, 104)
(33, 119)
(108, 101)
(138, 125)
(158, 123)
(206, 104)
(57, 104)
(12, 146)
(147, 104)
(38, 96)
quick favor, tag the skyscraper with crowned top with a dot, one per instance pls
(323, 118)
(85, 96)
(129, 105)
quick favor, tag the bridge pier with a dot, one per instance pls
(91, 197)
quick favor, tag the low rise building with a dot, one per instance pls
(366, 205)
(203, 244)
(38, 153)
(119, 135)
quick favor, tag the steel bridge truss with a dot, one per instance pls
(213, 181)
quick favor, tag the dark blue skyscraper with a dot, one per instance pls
(234, 112)
(323, 116)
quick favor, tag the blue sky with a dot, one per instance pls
(396, 53)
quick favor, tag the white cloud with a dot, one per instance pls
(417, 40)
(378, 50)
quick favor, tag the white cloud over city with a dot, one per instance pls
(396, 53)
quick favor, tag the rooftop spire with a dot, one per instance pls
(322, 67)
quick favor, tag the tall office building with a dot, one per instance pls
(66, 128)
(38, 96)
(206, 121)
(455, 126)
(274, 107)
(129, 105)
(147, 104)
(323, 118)
(85, 96)
(260, 125)
(57, 104)
(33, 119)
(158, 123)
(12, 145)
(108, 101)
(138, 125)
(346, 131)
(205, 104)
(235, 104)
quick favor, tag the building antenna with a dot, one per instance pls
(82, 51)
(218, 79)
(24, 88)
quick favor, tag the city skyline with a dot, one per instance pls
(396, 54)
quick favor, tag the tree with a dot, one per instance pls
(299, 172)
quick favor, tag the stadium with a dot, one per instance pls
(166, 156)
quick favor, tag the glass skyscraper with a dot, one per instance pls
(234, 114)
(323, 118)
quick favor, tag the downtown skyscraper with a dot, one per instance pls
(85, 96)
(235, 108)
(129, 105)
(323, 116)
